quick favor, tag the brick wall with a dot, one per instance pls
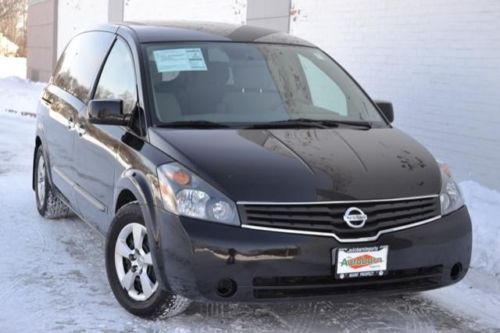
(437, 61)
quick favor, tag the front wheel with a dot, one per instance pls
(131, 271)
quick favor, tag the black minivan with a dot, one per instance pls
(238, 164)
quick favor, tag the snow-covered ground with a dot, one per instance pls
(53, 278)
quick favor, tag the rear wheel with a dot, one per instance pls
(130, 268)
(48, 203)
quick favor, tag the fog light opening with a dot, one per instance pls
(226, 288)
(456, 271)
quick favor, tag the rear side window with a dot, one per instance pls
(78, 66)
(117, 80)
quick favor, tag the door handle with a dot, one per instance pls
(71, 123)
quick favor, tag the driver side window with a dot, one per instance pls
(117, 79)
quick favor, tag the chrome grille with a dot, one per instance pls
(328, 217)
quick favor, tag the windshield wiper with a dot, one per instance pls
(306, 122)
(290, 123)
(193, 124)
(363, 124)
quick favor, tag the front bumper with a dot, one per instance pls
(193, 257)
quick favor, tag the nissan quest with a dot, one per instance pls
(230, 163)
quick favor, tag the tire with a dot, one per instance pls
(48, 203)
(130, 268)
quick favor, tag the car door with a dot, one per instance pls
(60, 135)
(97, 145)
(66, 95)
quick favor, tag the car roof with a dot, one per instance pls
(169, 31)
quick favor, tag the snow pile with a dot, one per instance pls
(18, 95)
(484, 208)
(10, 66)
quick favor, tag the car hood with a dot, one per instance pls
(304, 165)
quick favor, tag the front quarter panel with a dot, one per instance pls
(137, 163)
(41, 114)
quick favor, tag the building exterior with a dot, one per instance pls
(437, 61)
(52, 23)
(41, 39)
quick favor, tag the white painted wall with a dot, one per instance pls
(230, 11)
(74, 15)
(437, 61)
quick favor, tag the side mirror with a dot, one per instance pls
(386, 108)
(107, 112)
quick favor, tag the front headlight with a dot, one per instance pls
(184, 193)
(451, 198)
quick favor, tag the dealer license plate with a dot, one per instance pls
(360, 262)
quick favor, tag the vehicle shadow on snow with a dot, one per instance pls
(409, 313)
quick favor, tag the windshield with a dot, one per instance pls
(234, 84)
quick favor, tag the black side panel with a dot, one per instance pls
(59, 132)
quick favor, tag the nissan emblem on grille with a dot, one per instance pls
(355, 218)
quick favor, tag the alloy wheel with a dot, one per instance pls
(40, 181)
(133, 262)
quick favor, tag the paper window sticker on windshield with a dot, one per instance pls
(178, 60)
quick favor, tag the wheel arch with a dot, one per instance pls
(38, 143)
(126, 196)
(135, 186)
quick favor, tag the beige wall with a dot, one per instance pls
(115, 10)
(273, 14)
(41, 42)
